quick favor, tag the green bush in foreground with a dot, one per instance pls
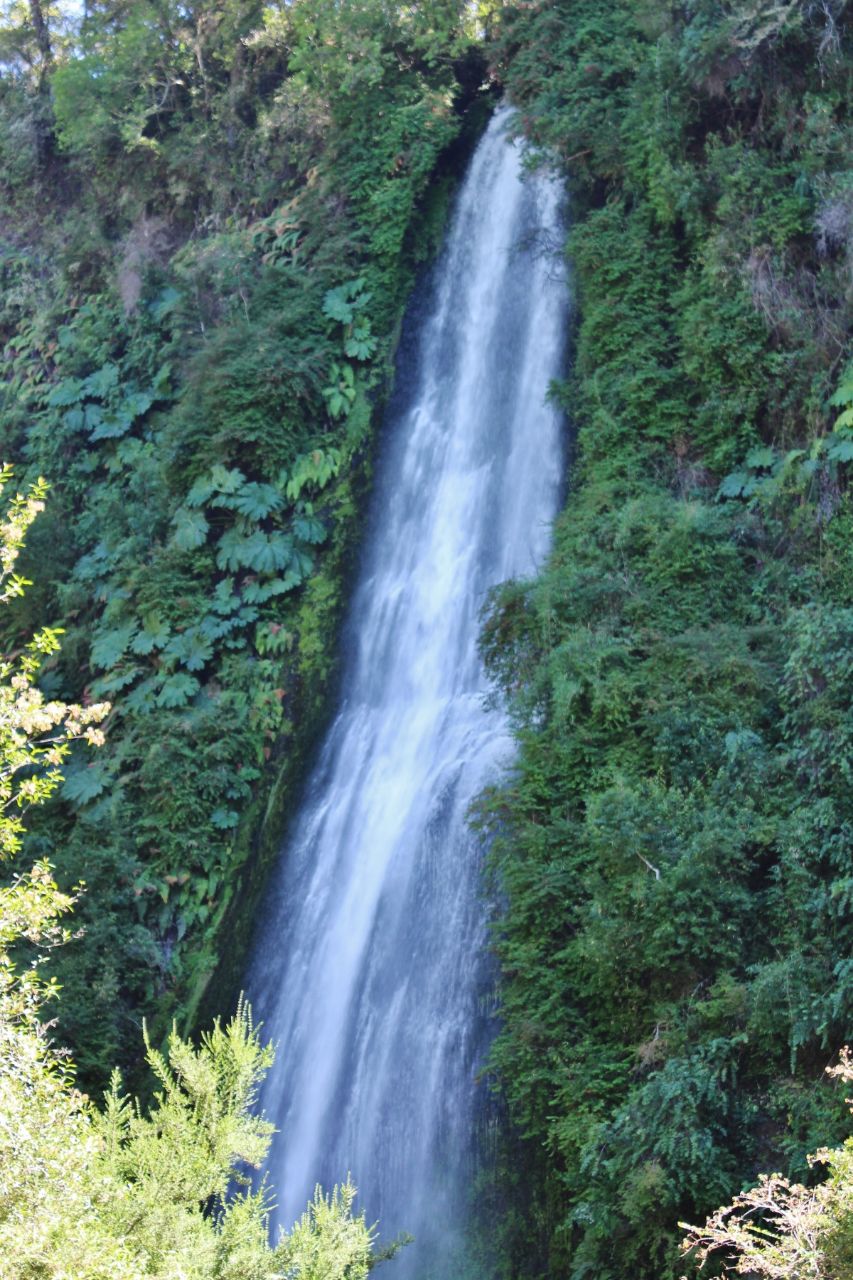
(97, 1193)
(779, 1230)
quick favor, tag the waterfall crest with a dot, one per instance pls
(370, 962)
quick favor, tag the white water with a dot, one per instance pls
(370, 967)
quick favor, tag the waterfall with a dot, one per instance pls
(370, 968)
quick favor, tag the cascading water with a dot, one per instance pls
(370, 964)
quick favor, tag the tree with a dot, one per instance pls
(779, 1230)
(100, 1192)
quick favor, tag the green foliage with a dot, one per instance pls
(671, 844)
(120, 1190)
(211, 253)
(35, 733)
(779, 1230)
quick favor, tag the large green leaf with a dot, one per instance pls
(314, 469)
(734, 484)
(111, 645)
(225, 598)
(225, 479)
(301, 562)
(107, 686)
(256, 592)
(224, 818)
(840, 449)
(255, 501)
(164, 304)
(67, 392)
(342, 303)
(309, 529)
(74, 419)
(101, 382)
(191, 529)
(142, 699)
(177, 690)
(261, 552)
(86, 782)
(191, 648)
(112, 426)
(844, 393)
(200, 492)
(359, 345)
(154, 634)
(763, 456)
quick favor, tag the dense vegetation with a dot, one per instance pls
(210, 218)
(675, 845)
(778, 1229)
(100, 1193)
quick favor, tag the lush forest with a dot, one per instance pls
(211, 219)
(676, 844)
(196, 343)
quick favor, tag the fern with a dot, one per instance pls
(340, 392)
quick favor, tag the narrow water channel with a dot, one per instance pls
(370, 964)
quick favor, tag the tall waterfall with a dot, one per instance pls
(370, 967)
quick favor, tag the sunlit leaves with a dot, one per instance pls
(35, 733)
(192, 532)
(312, 470)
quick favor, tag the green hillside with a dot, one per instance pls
(212, 218)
